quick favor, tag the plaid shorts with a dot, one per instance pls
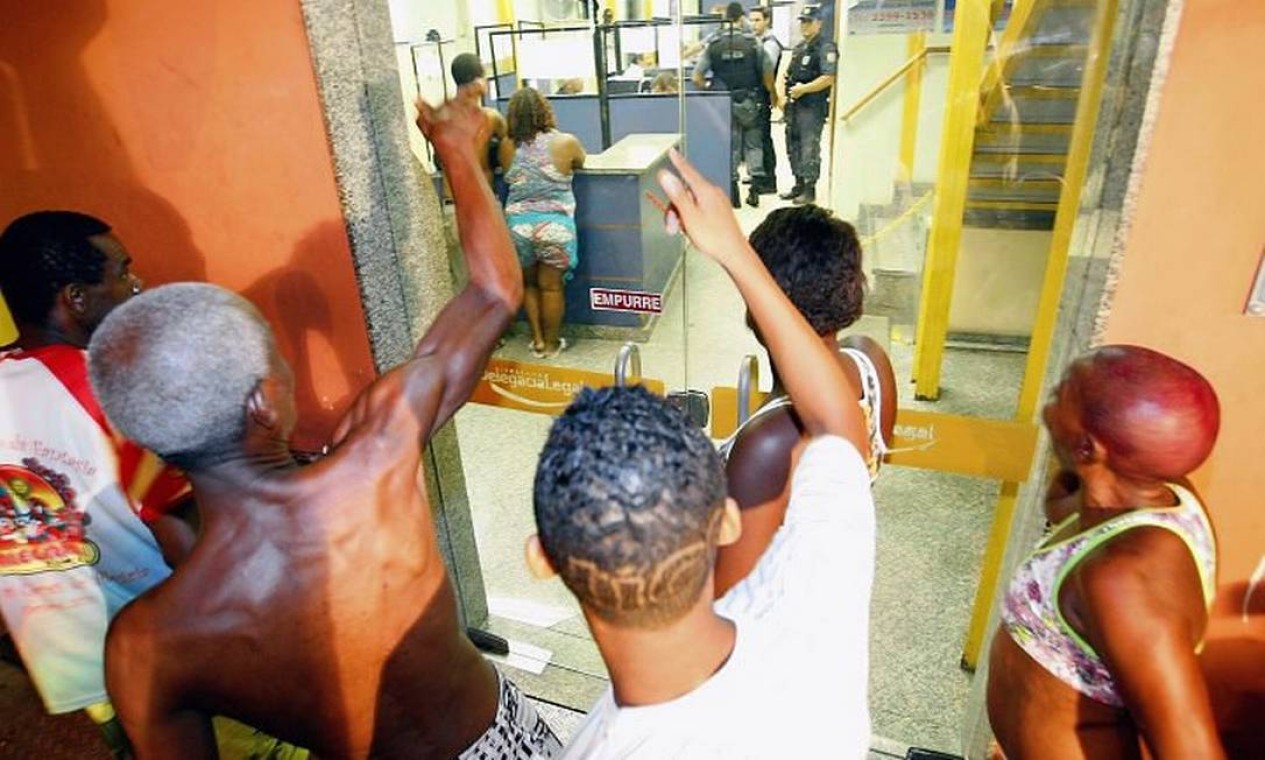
(517, 733)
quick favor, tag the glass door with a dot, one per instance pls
(617, 314)
(956, 144)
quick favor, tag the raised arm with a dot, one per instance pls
(450, 357)
(463, 336)
(824, 398)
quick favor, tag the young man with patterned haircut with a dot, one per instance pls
(630, 506)
(316, 604)
(75, 496)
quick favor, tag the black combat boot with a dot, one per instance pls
(807, 195)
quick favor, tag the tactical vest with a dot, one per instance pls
(800, 72)
(735, 61)
(777, 60)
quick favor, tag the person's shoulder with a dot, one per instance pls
(1139, 562)
(131, 643)
(831, 459)
(866, 345)
(767, 438)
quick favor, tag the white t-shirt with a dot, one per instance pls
(796, 684)
(73, 546)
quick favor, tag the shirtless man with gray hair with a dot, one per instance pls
(315, 605)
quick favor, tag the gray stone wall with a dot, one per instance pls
(397, 236)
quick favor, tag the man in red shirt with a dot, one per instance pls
(78, 502)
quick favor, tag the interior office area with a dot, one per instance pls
(1031, 134)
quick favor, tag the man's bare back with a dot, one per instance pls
(320, 613)
(316, 605)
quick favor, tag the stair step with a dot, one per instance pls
(1020, 199)
(1051, 50)
(1012, 205)
(1043, 183)
(1006, 128)
(1000, 190)
(1005, 139)
(1044, 92)
(1030, 111)
(1065, 23)
(1008, 220)
(1002, 160)
(1064, 70)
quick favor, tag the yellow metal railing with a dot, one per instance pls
(1087, 107)
(966, 67)
(909, 110)
(915, 62)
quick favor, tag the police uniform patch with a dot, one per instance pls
(807, 60)
(831, 56)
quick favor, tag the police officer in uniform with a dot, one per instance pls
(809, 79)
(738, 63)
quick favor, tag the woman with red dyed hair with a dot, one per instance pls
(1102, 622)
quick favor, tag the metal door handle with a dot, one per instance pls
(628, 354)
(748, 380)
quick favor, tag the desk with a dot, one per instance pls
(623, 244)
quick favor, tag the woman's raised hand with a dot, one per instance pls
(703, 211)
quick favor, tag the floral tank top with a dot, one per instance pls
(535, 184)
(1030, 611)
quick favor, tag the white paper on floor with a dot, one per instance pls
(529, 612)
(523, 656)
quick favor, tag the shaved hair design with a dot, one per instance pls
(628, 499)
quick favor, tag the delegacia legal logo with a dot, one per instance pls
(41, 524)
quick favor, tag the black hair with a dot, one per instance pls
(43, 252)
(816, 259)
(626, 498)
(466, 68)
(763, 11)
(734, 11)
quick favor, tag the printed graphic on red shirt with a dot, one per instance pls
(41, 524)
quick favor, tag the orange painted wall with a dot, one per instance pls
(195, 129)
(1197, 235)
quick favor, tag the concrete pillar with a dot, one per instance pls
(397, 237)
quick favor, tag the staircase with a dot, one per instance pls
(1027, 108)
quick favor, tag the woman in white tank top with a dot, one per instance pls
(816, 259)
